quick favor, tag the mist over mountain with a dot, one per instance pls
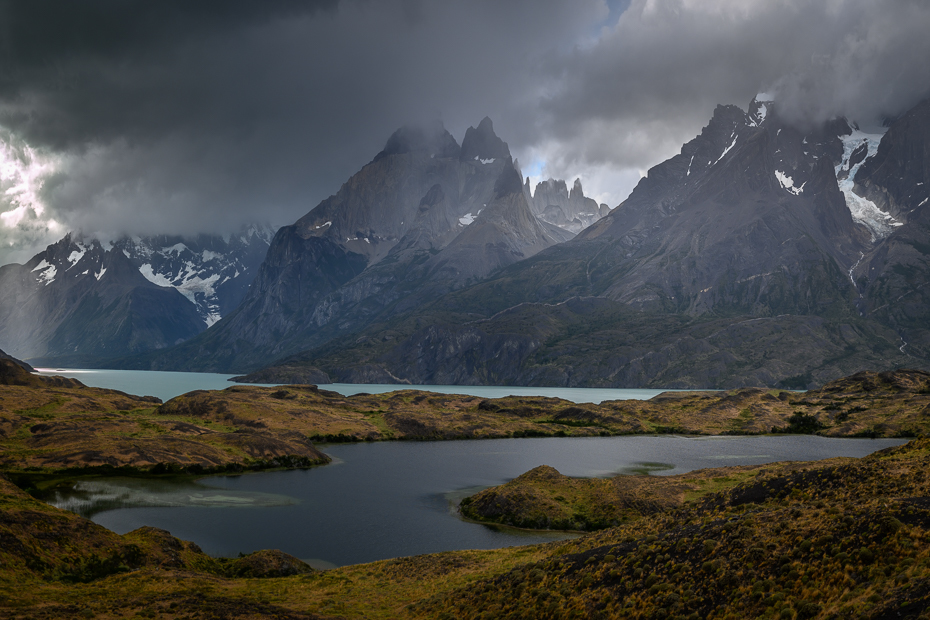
(759, 255)
(425, 217)
(82, 302)
(179, 118)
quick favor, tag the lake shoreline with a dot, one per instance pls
(859, 513)
(704, 553)
(59, 426)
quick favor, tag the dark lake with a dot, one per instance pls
(390, 499)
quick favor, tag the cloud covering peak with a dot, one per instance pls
(168, 116)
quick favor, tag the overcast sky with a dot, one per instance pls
(186, 116)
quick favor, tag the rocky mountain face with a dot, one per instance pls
(759, 255)
(552, 202)
(82, 303)
(212, 271)
(893, 275)
(425, 217)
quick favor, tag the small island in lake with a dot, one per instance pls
(800, 540)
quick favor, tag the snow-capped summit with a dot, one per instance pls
(81, 301)
(212, 271)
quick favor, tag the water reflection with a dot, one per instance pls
(391, 499)
(90, 497)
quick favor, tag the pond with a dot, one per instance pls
(390, 499)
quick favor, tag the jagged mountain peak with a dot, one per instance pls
(482, 144)
(735, 262)
(408, 226)
(570, 210)
(378, 206)
(577, 190)
(430, 137)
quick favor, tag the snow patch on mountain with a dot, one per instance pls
(177, 248)
(763, 111)
(75, 257)
(729, 148)
(195, 283)
(788, 183)
(864, 211)
(155, 278)
(204, 269)
(49, 274)
(46, 271)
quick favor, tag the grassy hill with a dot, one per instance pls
(841, 538)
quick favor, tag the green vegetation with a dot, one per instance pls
(835, 539)
(832, 539)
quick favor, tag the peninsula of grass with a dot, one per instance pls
(844, 538)
(53, 425)
(544, 499)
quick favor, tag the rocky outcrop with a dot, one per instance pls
(552, 202)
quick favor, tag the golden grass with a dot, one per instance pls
(839, 538)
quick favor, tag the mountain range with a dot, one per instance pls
(84, 303)
(425, 217)
(761, 254)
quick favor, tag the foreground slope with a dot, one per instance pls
(829, 539)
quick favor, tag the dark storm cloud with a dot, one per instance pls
(652, 82)
(38, 32)
(187, 116)
(199, 115)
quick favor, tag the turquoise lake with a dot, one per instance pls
(167, 385)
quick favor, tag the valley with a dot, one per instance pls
(345, 310)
